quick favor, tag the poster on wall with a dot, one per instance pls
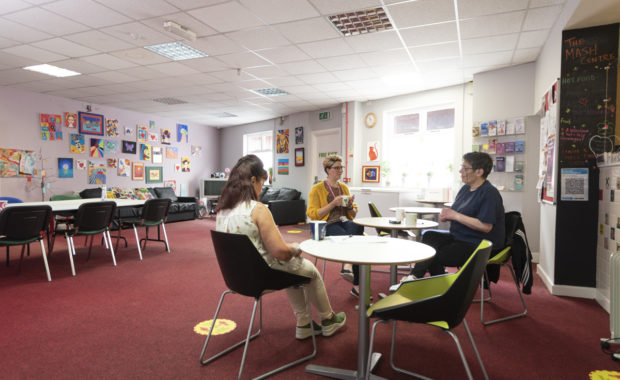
(299, 157)
(283, 166)
(111, 127)
(299, 135)
(96, 173)
(65, 168)
(141, 133)
(124, 167)
(51, 127)
(172, 152)
(185, 163)
(182, 133)
(145, 152)
(70, 120)
(96, 148)
(166, 136)
(282, 141)
(158, 156)
(77, 144)
(372, 151)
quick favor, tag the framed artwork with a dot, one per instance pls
(90, 123)
(283, 166)
(145, 152)
(182, 133)
(51, 127)
(370, 174)
(154, 174)
(97, 148)
(71, 120)
(158, 157)
(299, 156)
(96, 173)
(185, 164)
(171, 183)
(141, 133)
(65, 168)
(137, 171)
(282, 141)
(77, 144)
(166, 136)
(129, 146)
(124, 167)
(172, 152)
(299, 135)
(111, 127)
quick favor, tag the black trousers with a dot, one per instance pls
(449, 253)
(346, 228)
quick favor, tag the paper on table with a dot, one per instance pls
(357, 239)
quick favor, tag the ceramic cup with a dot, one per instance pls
(411, 219)
(400, 214)
(3, 204)
(345, 200)
(317, 227)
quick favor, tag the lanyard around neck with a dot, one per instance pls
(329, 187)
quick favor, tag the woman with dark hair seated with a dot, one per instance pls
(238, 211)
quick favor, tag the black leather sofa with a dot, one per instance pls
(181, 208)
(285, 205)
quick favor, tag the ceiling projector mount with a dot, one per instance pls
(179, 30)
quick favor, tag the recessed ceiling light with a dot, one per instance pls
(270, 92)
(176, 51)
(169, 101)
(54, 71)
(361, 22)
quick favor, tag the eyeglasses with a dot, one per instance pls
(337, 167)
(466, 168)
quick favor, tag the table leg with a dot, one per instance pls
(362, 339)
(393, 268)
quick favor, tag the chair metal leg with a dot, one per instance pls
(107, 233)
(21, 258)
(90, 247)
(163, 227)
(397, 369)
(473, 344)
(461, 353)
(135, 231)
(482, 281)
(47, 267)
(71, 249)
(518, 315)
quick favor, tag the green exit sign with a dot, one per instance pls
(325, 115)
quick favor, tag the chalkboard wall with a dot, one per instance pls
(586, 121)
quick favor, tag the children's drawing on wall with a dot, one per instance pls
(282, 141)
(145, 152)
(51, 127)
(157, 154)
(96, 148)
(166, 136)
(27, 163)
(141, 133)
(172, 152)
(112, 162)
(70, 120)
(372, 151)
(65, 168)
(151, 124)
(283, 166)
(124, 167)
(80, 164)
(110, 146)
(299, 135)
(185, 164)
(137, 171)
(96, 173)
(128, 131)
(129, 147)
(177, 168)
(196, 151)
(77, 143)
(111, 127)
(153, 136)
(182, 133)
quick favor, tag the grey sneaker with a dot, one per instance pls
(407, 278)
(331, 325)
(347, 275)
(305, 332)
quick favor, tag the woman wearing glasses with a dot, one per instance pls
(477, 213)
(331, 201)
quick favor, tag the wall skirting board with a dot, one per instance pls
(566, 290)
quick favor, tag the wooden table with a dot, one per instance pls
(364, 251)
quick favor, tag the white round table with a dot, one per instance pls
(365, 251)
(419, 210)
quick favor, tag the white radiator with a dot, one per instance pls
(614, 290)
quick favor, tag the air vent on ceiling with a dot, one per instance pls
(361, 22)
(222, 115)
(169, 101)
(270, 91)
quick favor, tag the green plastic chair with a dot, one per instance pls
(440, 301)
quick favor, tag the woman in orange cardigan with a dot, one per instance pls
(331, 201)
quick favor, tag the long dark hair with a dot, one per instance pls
(239, 186)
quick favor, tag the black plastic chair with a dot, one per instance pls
(440, 301)
(62, 220)
(503, 258)
(92, 218)
(245, 272)
(22, 225)
(154, 214)
(12, 200)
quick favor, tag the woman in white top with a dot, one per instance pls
(238, 211)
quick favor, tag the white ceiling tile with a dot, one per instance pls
(444, 64)
(173, 68)
(93, 14)
(140, 56)
(191, 4)
(46, 21)
(303, 67)
(474, 8)
(544, 3)
(346, 75)
(395, 70)
(219, 17)
(182, 19)
(422, 12)
(241, 60)
(313, 29)
(450, 49)
(266, 72)
(140, 9)
(537, 18)
(258, 38)
(231, 76)
(533, 39)
(79, 66)
(140, 72)
(492, 25)
(21, 33)
(525, 55)
(137, 34)
(108, 61)
(390, 57)
(277, 11)
(374, 41)
(14, 76)
(490, 44)
(283, 54)
(318, 78)
(8, 6)
(34, 53)
(299, 89)
(14, 61)
(285, 81)
(328, 7)
(330, 87)
(216, 45)
(345, 62)
(65, 47)
(326, 48)
(207, 64)
(102, 42)
(5, 42)
(488, 59)
(200, 80)
(430, 34)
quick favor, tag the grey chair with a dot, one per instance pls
(154, 214)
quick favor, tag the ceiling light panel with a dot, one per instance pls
(52, 70)
(361, 22)
(176, 51)
(270, 92)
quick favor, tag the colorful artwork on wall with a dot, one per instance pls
(65, 168)
(27, 163)
(96, 148)
(182, 133)
(299, 135)
(145, 152)
(137, 171)
(166, 136)
(9, 162)
(51, 127)
(71, 120)
(96, 173)
(185, 163)
(80, 164)
(111, 127)
(196, 151)
(282, 141)
(141, 133)
(153, 137)
(283, 166)
(370, 174)
(128, 131)
(90, 123)
(372, 151)
(111, 146)
(129, 147)
(299, 157)
(157, 154)
(77, 143)
(154, 174)
(124, 167)
(172, 152)
(112, 162)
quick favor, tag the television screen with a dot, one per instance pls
(213, 187)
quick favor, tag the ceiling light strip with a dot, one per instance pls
(458, 30)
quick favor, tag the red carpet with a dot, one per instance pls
(136, 320)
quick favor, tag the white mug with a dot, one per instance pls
(345, 200)
(3, 204)
(411, 219)
(318, 227)
(400, 214)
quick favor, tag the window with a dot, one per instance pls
(260, 144)
(419, 147)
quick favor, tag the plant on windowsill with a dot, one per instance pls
(385, 172)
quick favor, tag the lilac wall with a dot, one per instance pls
(20, 129)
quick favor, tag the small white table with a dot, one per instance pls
(419, 210)
(364, 251)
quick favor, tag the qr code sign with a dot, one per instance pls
(574, 186)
